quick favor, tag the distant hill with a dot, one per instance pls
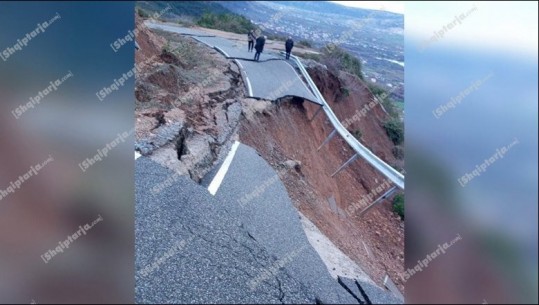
(187, 8)
(375, 37)
(258, 10)
(333, 8)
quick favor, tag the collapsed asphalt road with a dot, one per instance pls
(253, 192)
(270, 78)
(192, 247)
(189, 249)
(243, 245)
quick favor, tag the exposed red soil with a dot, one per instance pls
(287, 134)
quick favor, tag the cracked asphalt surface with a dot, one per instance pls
(270, 78)
(253, 191)
(219, 259)
(192, 247)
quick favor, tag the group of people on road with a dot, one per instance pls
(258, 44)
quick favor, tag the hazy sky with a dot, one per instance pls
(510, 26)
(390, 6)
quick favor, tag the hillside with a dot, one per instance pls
(373, 36)
(183, 8)
(192, 135)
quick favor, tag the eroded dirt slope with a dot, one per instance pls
(188, 102)
(375, 241)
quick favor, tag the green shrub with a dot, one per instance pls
(336, 58)
(276, 37)
(305, 43)
(345, 92)
(398, 205)
(142, 13)
(226, 22)
(383, 96)
(376, 90)
(395, 130)
(357, 134)
(398, 152)
(313, 56)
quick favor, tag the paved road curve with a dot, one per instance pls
(270, 78)
(273, 78)
(243, 245)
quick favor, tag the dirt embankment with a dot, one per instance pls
(375, 241)
(190, 105)
(188, 102)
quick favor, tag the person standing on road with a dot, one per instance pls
(289, 44)
(251, 38)
(259, 46)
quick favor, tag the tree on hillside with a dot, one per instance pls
(336, 58)
(226, 22)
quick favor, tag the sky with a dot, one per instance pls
(390, 6)
(509, 26)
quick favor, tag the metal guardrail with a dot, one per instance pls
(388, 171)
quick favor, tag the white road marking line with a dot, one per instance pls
(239, 63)
(222, 51)
(137, 155)
(195, 38)
(249, 86)
(243, 73)
(218, 179)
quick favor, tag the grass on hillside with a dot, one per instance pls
(226, 22)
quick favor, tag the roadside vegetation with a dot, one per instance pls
(226, 22)
(305, 43)
(357, 134)
(394, 126)
(142, 13)
(336, 58)
(398, 205)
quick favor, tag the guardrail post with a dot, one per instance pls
(346, 164)
(328, 138)
(396, 177)
(384, 196)
(316, 113)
